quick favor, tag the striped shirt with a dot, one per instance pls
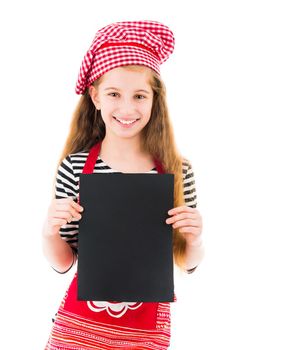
(67, 185)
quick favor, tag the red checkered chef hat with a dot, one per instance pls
(146, 43)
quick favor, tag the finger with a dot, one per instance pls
(68, 215)
(180, 216)
(68, 208)
(64, 200)
(186, 222)
(58, 222)
(182, 208)
(71, 201)
(63, 215)
(77, 206)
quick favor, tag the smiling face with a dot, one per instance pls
(124, 97)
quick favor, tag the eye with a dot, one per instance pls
(140, 97)
(113, 94)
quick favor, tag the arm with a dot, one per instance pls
(194, 251)
(60, 231)
(58, 252)
(194, 255)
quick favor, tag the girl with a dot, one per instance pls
(121, 124)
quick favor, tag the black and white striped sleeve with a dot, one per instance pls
(190, 193)
(189, 187)
(67, 186)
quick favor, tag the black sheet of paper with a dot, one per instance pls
(125, 250)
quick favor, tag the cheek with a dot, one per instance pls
(105, 103)
(146, 109)
(107, 108)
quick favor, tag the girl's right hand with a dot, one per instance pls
(60, 212)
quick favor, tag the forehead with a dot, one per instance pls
(123, 77)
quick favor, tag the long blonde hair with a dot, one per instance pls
(87, 127)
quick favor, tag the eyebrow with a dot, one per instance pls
(114, 88)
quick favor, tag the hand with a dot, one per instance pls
(60, 212)
(188, 221)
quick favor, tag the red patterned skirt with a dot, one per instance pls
(83, 325)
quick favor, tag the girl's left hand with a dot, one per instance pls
(189, 222)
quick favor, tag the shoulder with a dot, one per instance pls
(74, 162)
(78, 157)
(73, 158)
(187, 169)
(190, 194)
(71, 166)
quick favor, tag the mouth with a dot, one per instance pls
(126, 124)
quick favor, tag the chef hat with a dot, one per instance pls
(146, 43)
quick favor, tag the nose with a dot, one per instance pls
(126, 107)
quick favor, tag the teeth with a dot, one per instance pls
(126, 122)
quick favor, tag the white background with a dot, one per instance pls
(234, 93)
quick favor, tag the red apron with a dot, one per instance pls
(83, 325)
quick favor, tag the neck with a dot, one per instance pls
(122, 148)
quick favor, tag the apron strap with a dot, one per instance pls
(92, 158)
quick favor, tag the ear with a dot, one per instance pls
(94, 96)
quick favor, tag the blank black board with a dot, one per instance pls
(125, 250)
